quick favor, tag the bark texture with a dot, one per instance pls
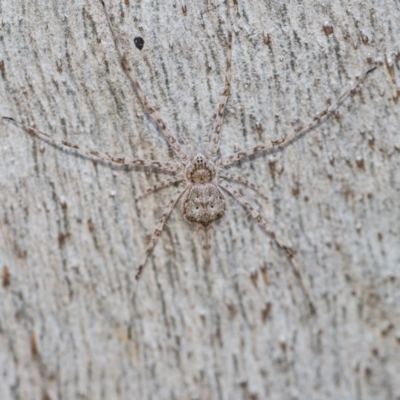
(72, 234)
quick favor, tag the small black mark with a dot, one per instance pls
(139, 42)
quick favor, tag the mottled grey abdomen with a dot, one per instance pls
(203, 204)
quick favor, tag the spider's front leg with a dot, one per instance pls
(225, 161)
(180, 149)
(212, 145)
(161, 165)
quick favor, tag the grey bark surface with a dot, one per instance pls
(72, 234)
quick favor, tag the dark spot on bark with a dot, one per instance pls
(368, 372)
(139, 42)
(296, 190)
(90, 225)
(265, 311)
(267, 39)
(328, 29)
(232, 309)
(364, 39)
(46, 397)
(33, 345)
(62, 238)
(6, 276)
(360, 164)
(253, 277)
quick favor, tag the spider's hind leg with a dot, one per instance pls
(157, 232)
(160, 185)
(287, 250)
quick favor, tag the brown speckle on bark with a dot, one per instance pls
(328, 29)
(6, 276)
(33, 345)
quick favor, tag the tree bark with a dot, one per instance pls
(72, 233)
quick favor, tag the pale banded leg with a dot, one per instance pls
(215, 135)
(238, 178)
(160, 185)
(167, 211)
(162, 165)
(179, 149)
(225, 161)
(287, 250)
(205, 234)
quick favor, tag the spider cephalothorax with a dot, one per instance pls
(200, 170)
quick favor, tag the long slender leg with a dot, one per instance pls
(162, 165)
(225, 161)
(215, 135)
(179, 149)
(159, 228)
(205, 234)
(288, 251)
(160, 185)
(238, 178)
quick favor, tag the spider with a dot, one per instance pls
(201, 177)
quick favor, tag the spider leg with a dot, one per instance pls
(238, 178)
(162, 165)
(160, 185)
(287, 250)
(205, 234)
(225, 161)
(179, 149)
(213, 141)
(158, 230)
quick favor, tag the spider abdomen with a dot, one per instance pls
(203, 204)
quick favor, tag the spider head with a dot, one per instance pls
(200, 170)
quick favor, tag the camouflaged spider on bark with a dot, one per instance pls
(201, 176)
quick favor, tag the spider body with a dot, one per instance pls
(201, 178)
(203, 202)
